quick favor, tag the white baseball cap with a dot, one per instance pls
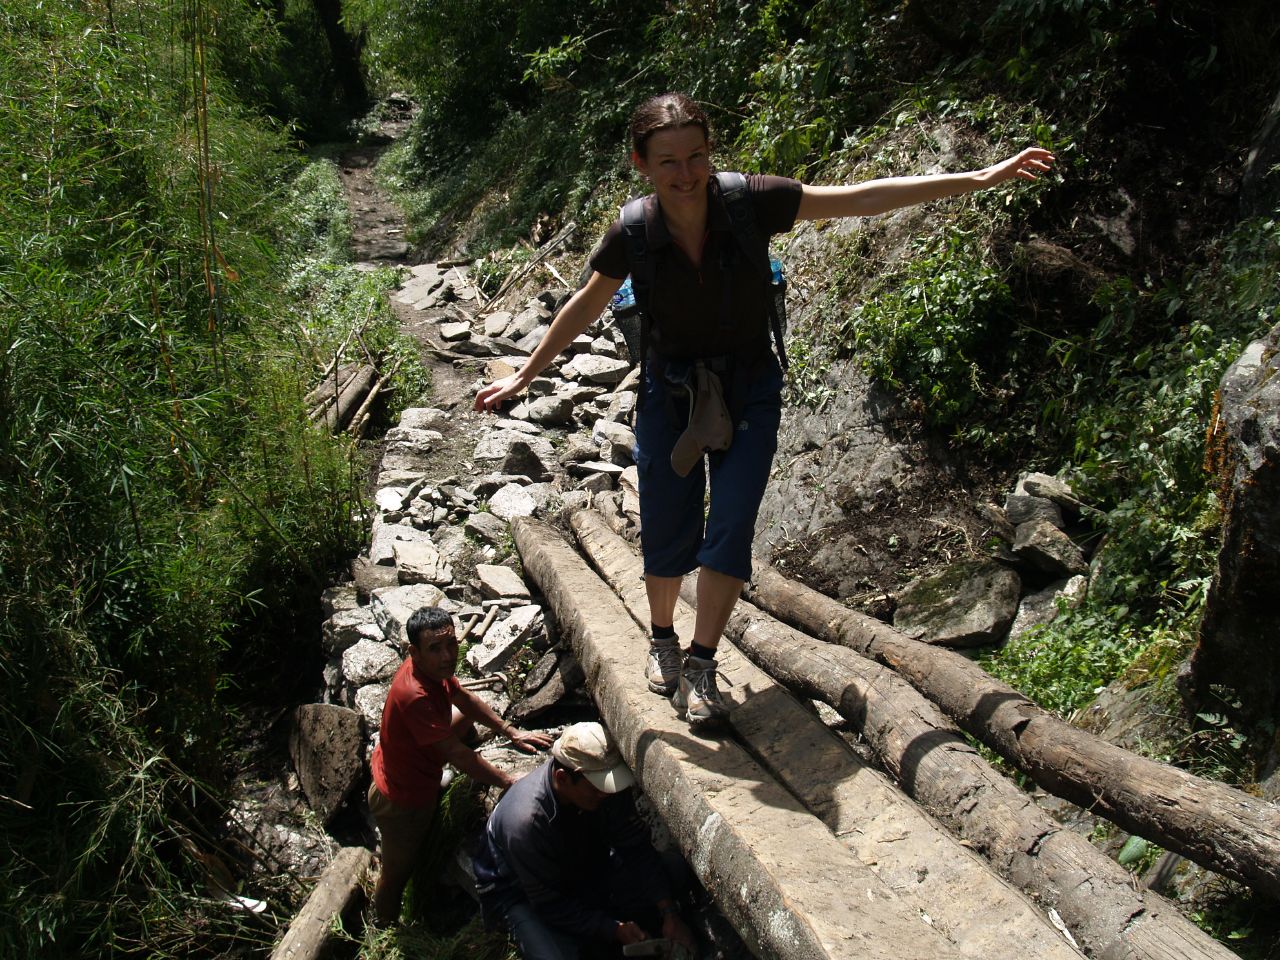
(588, 749)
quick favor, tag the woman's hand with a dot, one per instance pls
(530, 741)
(1025, 166)
(493, 396)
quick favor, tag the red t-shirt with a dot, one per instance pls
(416, 716)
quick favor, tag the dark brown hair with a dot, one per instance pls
(666, 111)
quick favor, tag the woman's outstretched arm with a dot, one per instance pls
(574, 317)
(880, 196)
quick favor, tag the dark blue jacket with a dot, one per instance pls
(562, 859)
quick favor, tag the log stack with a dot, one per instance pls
(345, 396)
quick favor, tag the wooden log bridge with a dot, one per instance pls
(808, 850)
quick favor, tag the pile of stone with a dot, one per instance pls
(1040, 566)
(446, 541)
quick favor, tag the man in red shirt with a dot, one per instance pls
(427, 721)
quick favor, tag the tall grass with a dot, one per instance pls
(166, 512)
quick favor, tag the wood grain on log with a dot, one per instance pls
(931, 761)
(337, 894)
(884, 828)
(785, 883)
(338, 415)
(1217, 826)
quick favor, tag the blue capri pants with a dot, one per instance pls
(677, 532)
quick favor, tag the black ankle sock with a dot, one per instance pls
(705, 653)
(662, 633)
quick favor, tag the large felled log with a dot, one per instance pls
(1218, 827)
(881, 825)
(930, 760)
(339, 415)
(337, 894)
(787, 885)
(331, 385)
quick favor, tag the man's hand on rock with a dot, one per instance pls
(530, 741)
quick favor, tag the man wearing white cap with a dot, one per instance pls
(568, 863)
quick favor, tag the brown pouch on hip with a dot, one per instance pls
(710, 426)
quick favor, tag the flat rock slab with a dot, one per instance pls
(785, 882)
(593, 369)
(512, 501)
(348, 627)
(326, 745)
(504, 638)
(485, 526)
(421, 562)
(499, 582)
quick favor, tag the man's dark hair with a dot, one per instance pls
(426, 618)
(574, 775)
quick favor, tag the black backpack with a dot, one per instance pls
(754, 249)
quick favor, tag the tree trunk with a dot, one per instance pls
(887, 830)
(339, 414)
(790, 888)
(337, 894)
(345, 51)
(1095, 897)
(1218, 827)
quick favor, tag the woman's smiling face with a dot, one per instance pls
(678, 164)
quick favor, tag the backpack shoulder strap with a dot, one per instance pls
(742, 220)
(753, 244)
(640, 260)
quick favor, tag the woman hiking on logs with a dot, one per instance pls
(707, 344)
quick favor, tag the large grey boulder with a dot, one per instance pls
(504, 638)
(424, 418)
(495, 445)
(340, 597)
(1239, 644)
(512, 501)
(487, 528)
(1046, 548)
(555, 410)
(393, 606)
(968, 604)
(369, 661)
(595, 369)
(422, 563)
(1023, 509)
(497, 582)
(382, 544)
(348, 627)
(1041, 607)
(1050, 488)
(369, 701)
(326, 745)
(411, 441)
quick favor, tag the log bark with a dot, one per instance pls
(326, 389)
(931, 761)
(339, 414)
(338, 893)
(884, 828)
(785, 883)
(1218, 827)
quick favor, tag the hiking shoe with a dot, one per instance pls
(663, 667)
(696, 698)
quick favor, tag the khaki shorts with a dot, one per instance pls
(402, 829)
